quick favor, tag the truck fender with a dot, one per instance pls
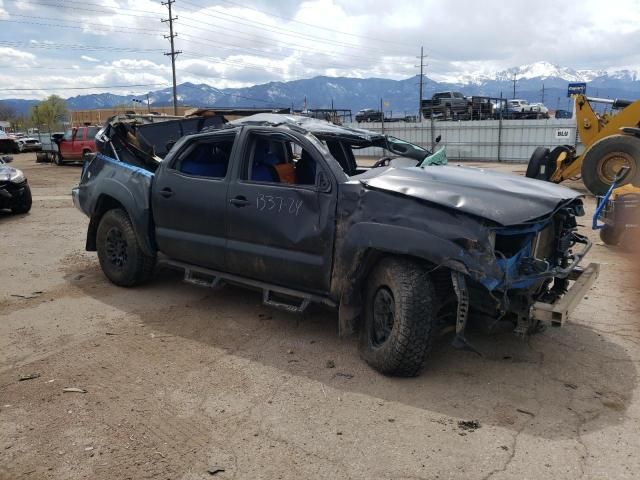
(366, 242)
(115, 194)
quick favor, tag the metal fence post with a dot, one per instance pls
(433, 131)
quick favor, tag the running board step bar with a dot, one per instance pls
(289, 300)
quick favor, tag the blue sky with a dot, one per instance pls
(53, 46)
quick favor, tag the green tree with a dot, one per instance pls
(49, 112)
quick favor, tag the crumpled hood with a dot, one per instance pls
(502, 198)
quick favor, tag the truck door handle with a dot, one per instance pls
(239, 201)
(166, 192)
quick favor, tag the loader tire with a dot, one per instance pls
(538, 166)
(611, 235)
(399, 317)
(605, 158)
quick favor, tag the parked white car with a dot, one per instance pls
(28, 144)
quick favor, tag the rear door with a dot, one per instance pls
(189, 196)
(281, 211)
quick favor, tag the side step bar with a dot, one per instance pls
(205, 277)
(558, 312)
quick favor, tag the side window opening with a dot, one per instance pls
(276, 159)
(344, 155)
(207, 159)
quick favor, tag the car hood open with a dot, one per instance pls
(501, 198)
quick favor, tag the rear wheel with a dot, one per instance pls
(23, 205)
(399, 317)
(121, 258)
(604, 160)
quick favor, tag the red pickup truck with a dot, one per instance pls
(76, 143)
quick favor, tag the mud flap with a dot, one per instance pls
(462, 314)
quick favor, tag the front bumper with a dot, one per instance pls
(11, 193)
(558, 311)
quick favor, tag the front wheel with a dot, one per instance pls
(121, 258)
(399, 317)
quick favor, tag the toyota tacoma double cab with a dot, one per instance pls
(403, 250)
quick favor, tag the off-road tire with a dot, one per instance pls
(24, 204)
(404, 350)
(121, 258)
(539, 158)
(593, 168)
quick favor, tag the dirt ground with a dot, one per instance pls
(180, 379)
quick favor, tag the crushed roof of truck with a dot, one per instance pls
(320, 128)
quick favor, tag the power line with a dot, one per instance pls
(70, 46)
(71, 26)
(312, 25)
(263, 26)
(226, 33)
(85, 88)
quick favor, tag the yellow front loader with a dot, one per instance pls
(610, 143)
(611, 155)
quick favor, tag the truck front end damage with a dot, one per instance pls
(531, 274)
(502, 250)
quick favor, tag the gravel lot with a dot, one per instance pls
(180, 379)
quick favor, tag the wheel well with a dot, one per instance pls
(103, 205)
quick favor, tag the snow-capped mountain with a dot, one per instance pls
(539, 70)
(401, 96)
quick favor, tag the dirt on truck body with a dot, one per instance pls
(277, 202)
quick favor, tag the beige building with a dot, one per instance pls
(100, 115)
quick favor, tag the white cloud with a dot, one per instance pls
(378, 39)
(14, 57)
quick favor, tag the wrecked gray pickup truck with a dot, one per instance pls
(278, 203)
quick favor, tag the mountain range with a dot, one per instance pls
(540, 81)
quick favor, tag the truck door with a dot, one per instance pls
(78, 142)
(189, 201)
(281, 211)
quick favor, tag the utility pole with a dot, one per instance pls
(542, 92)
(514, 85)
(421, 83)
(174, 53)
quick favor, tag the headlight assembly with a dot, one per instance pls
(16, 176)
